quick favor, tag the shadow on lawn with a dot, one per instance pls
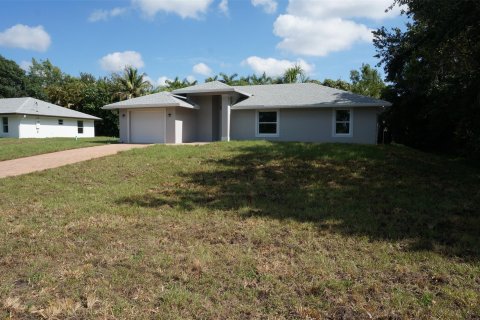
(383, 192)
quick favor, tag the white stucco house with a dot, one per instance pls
(215, 111)
(33, 118)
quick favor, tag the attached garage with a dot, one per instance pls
(156, 118)
(147, 126)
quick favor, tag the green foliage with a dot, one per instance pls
(177, 84)
(243, 81)
(12, 79)
(367, 82)
(435, 73)
(337, 84)
(132, 84)
(43, 77)
(293, 75)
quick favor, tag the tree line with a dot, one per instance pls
(433, 71)
(87, 93)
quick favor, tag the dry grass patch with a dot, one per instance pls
(244, 230)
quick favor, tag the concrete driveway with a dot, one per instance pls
(41, 162)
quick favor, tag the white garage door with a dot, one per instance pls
(147, 126)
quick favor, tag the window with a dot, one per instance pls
(267, 124)
(5, 124)
(60, 122)
(342, 122)
(80, 126)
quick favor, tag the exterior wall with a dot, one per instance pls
(123, 125)
(48, 127)
(204, 117)
(13, 126)
(170, 126)
(180, 124)
(185, 125)
(308, 125)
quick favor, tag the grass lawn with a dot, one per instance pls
(17, 148)
(244, 230)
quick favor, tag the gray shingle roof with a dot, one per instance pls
(38, 107)
(286, 95)
(161, 99)
(210, 87)
(302, 95)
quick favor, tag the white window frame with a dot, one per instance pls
(60, 122)
(334, 123)
(257, 124)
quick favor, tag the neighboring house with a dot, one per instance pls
(279, 112)
(33, 118)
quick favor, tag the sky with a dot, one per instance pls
(195, 39)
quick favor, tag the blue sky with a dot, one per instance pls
(195, 38)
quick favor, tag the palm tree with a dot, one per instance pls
(132, 84)
(211, 79)
(177, 84)
(261, 80)
(294, 74)
(230, 80)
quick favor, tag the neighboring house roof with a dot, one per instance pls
(302, 95)
(37, 107)
(210, 87)
(161, 99)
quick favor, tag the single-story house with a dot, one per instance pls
(215, 111)
(33, 118)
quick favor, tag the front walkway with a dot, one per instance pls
(41, 162)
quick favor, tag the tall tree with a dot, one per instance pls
(12, 79)
(337, 84)
(263, 79)
(229, 79)
(178, 84)
(294, 74)
(132, 84)
(40, 76)
(211, 79)
(434, 68)
(367, 82)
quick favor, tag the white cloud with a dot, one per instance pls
(191, 78)
(274, 67)
(373, 9)
(117, 61)
(319, 27)
(269, 6)
(223, 6)
(318, 37)
(183, 8)
(162, 81)
(25, 37)
(104, 15)
(202, 69)
(25, 65)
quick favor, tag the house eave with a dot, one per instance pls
(141, 106)
(320, 105)
(50, 115)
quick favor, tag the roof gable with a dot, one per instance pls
(212, 86)
(160, 99)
